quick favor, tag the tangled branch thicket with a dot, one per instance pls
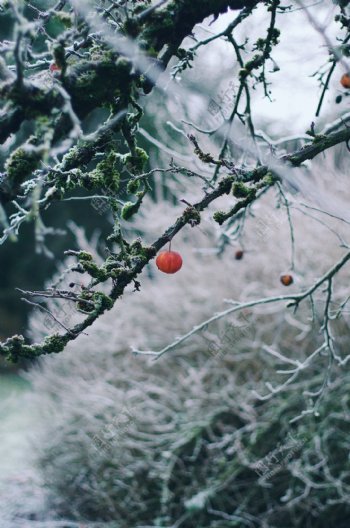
(186, 441)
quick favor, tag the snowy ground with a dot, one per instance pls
(22, 495)
(16, 473)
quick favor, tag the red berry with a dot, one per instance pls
(54, 67)
(286, 279)
(169, 261)
(345, 80)
(239, 254)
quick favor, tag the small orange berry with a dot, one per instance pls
(286, 279)
(239, 254)
(54, 67)
(345, 80)
(169, 261)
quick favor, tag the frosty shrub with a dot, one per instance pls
(188, 440)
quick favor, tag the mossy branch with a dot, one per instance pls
(16, 347)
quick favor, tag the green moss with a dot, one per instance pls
(85, 307)
(98, 52)
(104, 302)
(85, 256)
(86, 79)
(54, 344)
(260, 44)
(274, 36)
(101, 302)
(144, 252)
(135, 247)
(129, 209)
(22, 163)
(269, 179)
(137, 162)
(243, 73)
(192, 216)
(219, 217)
(100, 82)
(240, 190)
(225, 184)
(133, 186)
(87, 263)
(71, 157)
(149, 251)
(106, 174)
(257, 174)
(97, 272)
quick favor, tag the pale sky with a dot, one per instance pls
(302, 50)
